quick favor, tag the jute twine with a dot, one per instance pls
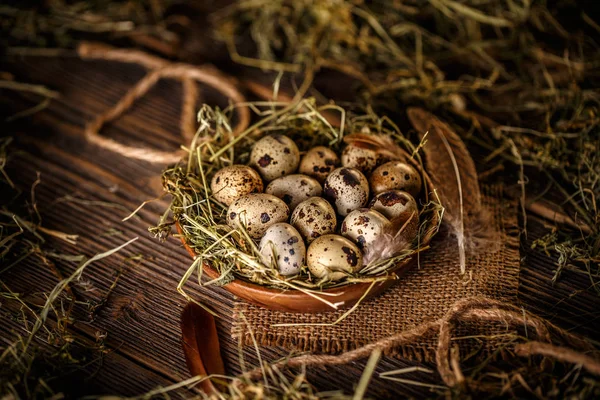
(467, 310)
(159, 68)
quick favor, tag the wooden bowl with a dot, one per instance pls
(290, 300)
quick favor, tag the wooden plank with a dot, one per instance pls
(83, 381)
(571, 303)
(142, 314)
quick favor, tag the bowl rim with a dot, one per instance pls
(241, 283)
(286, 299)
(296, 301)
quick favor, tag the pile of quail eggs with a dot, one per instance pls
(316, 209)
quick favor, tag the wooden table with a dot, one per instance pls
(87, 191)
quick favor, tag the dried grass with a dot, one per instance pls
(517, 78)
(203, 220)
(44, 347)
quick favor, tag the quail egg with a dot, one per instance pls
(294, 189)
(347, 189)
(275, 156)
(396, 175)
(361, 157)
(283, 247)
(363, 226)
(333, 256)
(314, 217)
(235, 181)
(318, 162)
(257, 212)
(393, 203)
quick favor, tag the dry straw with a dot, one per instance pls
(202, 219)
(518, 78)
(43, 347)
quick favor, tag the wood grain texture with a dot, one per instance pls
(142, 315)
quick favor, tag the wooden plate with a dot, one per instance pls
(290, 300)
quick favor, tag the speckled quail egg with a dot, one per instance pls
(393, 203)
(318, 162)
(257, 212)
(314, 217)
(275, 156)
(333, 256)
(361, 157)
(294, 189)
(363, 226)
(396, 175)
(235, 181)
(347, 189)
(283, 247)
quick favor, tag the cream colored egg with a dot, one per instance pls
(396, 175)
(393, 203)
(334, 257)
(363, 158)
(364, 226)
(318, 162)
(347, 189)
(275, 156)
(257, 212)
(294, 189)
(283, 247)
(235, 181)
(314, 217)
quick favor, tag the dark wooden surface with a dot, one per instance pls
(142, 314)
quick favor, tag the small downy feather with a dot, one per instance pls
(453, 174)
(201, 344)
(384, 145)
(395, 238)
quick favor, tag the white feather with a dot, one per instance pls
(392, 241)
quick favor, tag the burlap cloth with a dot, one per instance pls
(421, 295)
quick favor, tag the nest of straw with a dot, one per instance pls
(202, 220)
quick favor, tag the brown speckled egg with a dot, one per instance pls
(235, 181)
(347, 188)
(396, 175)
(314, 217)
(275, 156)
(393, 203)
(363, 158)
(294, 189)
(283, 247)
(363, 226)
(318, 162)
(257, 212)
(334, 257)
